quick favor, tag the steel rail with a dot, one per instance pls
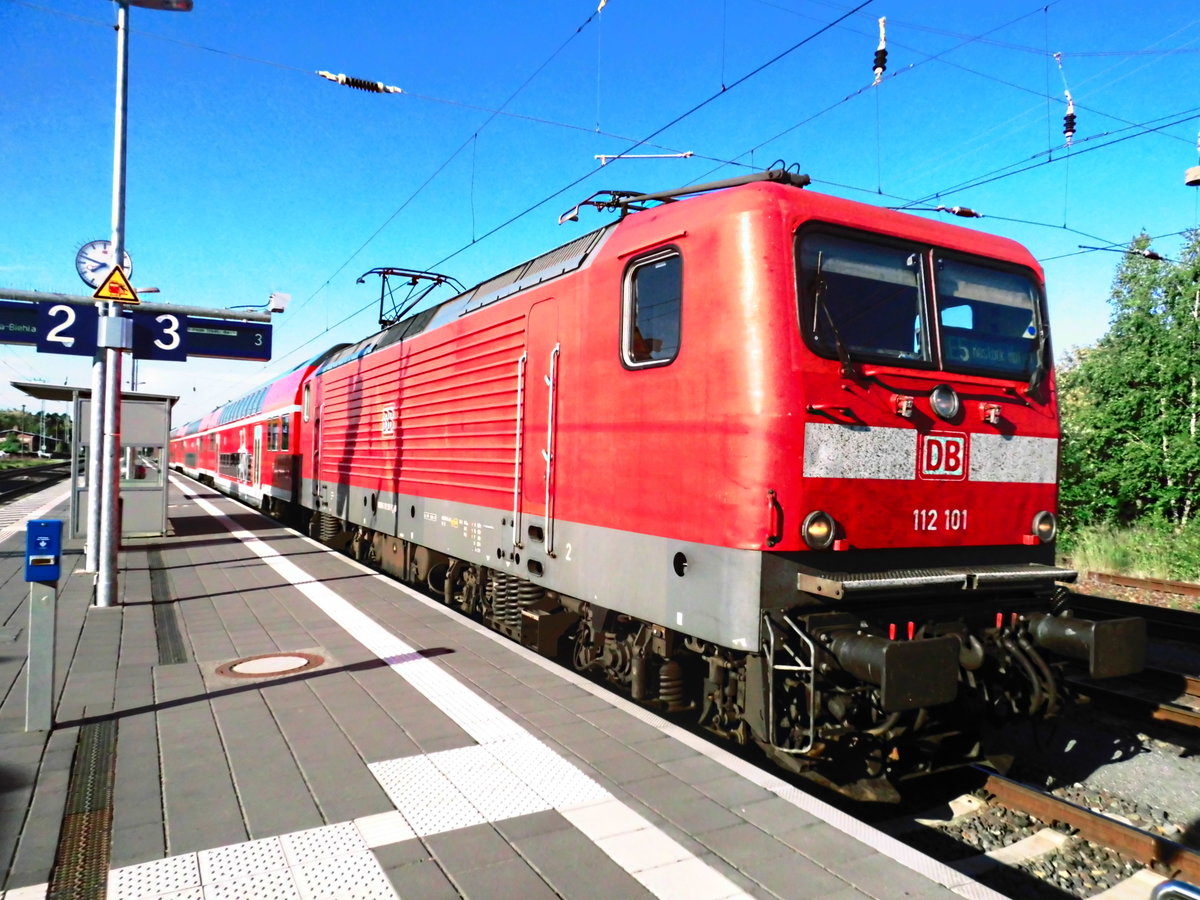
(15, 482)
(1162, 854)
(1182, 588)
(1173, 712)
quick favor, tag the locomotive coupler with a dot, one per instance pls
(909, 674)
(1111, 647)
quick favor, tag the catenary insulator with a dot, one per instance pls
(881, 52)
(375, 87)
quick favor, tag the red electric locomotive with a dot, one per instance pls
(784, 458)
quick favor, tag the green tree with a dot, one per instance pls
(1131, 404)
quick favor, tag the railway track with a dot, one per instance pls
(1183, 588)
(15, 482)
(1027, 842)
(1169, 689)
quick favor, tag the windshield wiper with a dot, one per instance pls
(1039, 370)
(843, 351)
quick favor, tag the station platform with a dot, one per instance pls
(262, 717)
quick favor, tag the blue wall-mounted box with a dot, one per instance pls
(43, 550)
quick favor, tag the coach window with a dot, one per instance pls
(653, 305)
(307, 400)
(283, 434)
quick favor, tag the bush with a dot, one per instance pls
(1149, 549)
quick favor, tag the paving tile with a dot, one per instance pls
(695, 769)
(469, 848)
(271, 788)
(791, 875)
(532, 824)
(733, 790)
(880, 876)
(618, 764)
(575, 867)
(662, 749)
(424, 880)
(402, 853)
(825, 844)
(694, 878)
(775, 815)
(136, 844)
(511, 878)
(742, 843)
(693, 812)
(339, 780)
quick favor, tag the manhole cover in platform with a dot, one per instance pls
(270, 664)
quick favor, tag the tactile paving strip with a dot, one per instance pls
(427, 799)
(356, 876)
(330, 861)
(155, 878)
(326, 842)
(241, 860)
(490, 787)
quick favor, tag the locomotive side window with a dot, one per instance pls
(307, 400)
(863, 298)
(653, 307)
(988, 318)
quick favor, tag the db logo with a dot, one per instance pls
(942, 457)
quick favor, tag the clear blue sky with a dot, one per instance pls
(249, 174)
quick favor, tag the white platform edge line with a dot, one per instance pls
(633, 859)
(9, 530)
(887, 845)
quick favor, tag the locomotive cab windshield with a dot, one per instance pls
(876, 301)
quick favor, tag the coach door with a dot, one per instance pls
(538, 374)
(256, 464)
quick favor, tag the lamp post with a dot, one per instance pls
(113, 337)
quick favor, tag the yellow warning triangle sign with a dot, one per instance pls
(116, 287)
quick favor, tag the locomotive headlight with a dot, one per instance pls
(1045, 526)
(944, 401)
(819, 530)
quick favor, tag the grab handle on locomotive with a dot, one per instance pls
(775, 512)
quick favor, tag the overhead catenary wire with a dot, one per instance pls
(474, 136)
(1113, 245)
(575, 182)
(1009, 171)
(445, 163)
(928, 58)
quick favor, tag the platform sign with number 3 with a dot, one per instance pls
(161, 336)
